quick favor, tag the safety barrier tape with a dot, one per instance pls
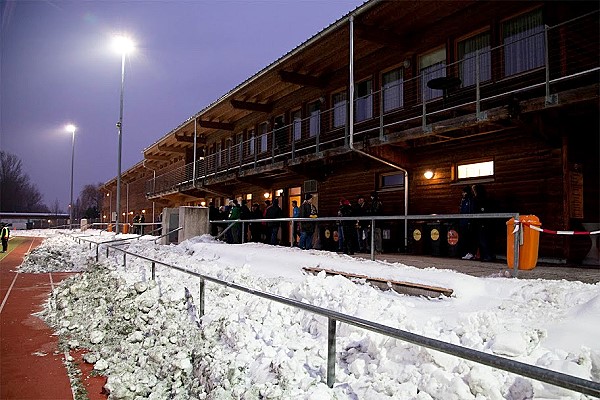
(536, 228)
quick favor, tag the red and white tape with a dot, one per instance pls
(535, 228)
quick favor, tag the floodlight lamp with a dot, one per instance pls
(123, 44)
(70, 128)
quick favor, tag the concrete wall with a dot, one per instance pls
(170, 221)
(194, 221)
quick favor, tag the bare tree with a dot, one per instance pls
(55, 208)
(90, 201)
(17, 193)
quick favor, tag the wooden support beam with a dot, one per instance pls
(172, 149)
(226, 126)
(155, 157)
(201, 139)
(303, 79)
(247, 105)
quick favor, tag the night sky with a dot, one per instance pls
(58, 67)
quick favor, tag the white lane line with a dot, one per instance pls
(13, 282)
(8, 293)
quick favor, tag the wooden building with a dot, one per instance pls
(500, 93)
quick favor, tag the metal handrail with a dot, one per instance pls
(531, 371)
(168, 233)
(374, 218)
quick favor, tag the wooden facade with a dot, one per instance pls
(523, 94)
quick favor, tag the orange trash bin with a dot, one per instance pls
(125, 228)
(109, 229)
(528, 251)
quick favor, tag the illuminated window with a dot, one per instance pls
(475, 170)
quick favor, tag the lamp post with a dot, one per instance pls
(109, 208)
(71, 128)
(123, 45)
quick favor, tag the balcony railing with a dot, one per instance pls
(537, 65)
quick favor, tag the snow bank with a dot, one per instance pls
(148, 338)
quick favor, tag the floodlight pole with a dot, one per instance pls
(120, 129)
(72, 169)
(71, 128)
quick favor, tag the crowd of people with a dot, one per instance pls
(353, 235)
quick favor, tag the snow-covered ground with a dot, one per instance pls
(148, 339)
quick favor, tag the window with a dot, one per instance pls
(262, 140)
(393, 90)
(339, 109)
(314, 111)
(364, 101)
(251, 141)
(297, 125)
(228, 150)
(475, 170)
(524, 43)
(239, 143)
(280, 135)
(392, 180)
(431, 66)
(467, 50)
(219, 155)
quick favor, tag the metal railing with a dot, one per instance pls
(374, 221)
(563, 56)
(333, 317)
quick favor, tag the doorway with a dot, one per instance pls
(295, 194)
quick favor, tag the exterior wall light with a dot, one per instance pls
(429, 174)
(267, 195)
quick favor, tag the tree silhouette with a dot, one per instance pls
(17, 193)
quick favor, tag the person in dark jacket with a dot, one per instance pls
(307, 228)
(213, 215)
(348, 227)
(255, 227)
(4, 235)
(273, 212)
(375, 209)
(265, 229)
(245, 213)
(484, 226)
(295, 225)
(466, 225)
(360, 210)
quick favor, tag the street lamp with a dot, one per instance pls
(71, 128)
(109, 208)
(124, 46)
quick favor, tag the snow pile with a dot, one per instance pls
(56, 254)
(142, 341)
(148, 338)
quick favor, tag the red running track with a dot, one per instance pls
(31, 364)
